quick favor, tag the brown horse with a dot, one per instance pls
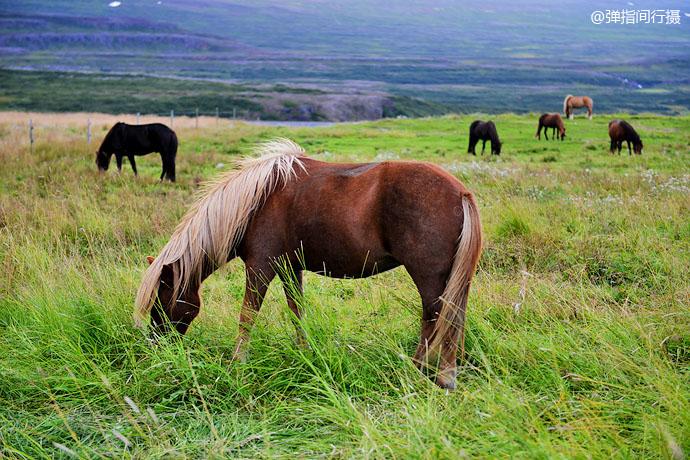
(619, 131)
(577, 102)
(284, 212)
(554, 121)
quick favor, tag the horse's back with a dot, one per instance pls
(150, 137)
(551, 119)
(358, 218)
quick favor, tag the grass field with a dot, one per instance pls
(578, 335)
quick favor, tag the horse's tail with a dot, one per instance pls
(451, 318)
(565, 104)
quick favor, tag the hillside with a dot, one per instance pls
(475, 56)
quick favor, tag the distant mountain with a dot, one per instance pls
(466, 55)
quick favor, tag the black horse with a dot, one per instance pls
(130, 140)
(484, 131)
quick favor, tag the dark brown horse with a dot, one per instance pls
(484, 131)
(619, 131)
(554, 121)
(287, 210)
(577, 102)
(125, 140)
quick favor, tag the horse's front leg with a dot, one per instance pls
(130, 157)
(118, 159)
(629, 151)
(294, 292)
(483, 145)
(256, 284)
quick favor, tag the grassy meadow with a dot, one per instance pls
(578, 332)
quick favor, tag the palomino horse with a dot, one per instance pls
(336, 219)
(621, 130)
(484, 131)
(577, 102)
(553, 121)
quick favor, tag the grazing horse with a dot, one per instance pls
(484, 131)
(284, 212)
(554, 121)
(619, 131)
(130, 140)
(577, 102)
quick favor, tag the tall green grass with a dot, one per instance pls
(578, 335)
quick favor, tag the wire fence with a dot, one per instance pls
(182, 119)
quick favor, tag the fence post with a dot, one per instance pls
(138, 117)
(196, 120)
(88, 131)
(31, 135)
(217, 115)
(172, 118)
(234, 113)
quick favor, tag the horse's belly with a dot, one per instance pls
(339, 260)
(342, 246)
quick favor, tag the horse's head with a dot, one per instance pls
(102, 160)
(637, 148)
(173, 310)
(562, 133)
(496, 148)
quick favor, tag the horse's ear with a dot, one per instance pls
(150, 259)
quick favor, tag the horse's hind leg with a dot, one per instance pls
(483, 145)
(257, 280)
(170, 168)
(130, 157)
(164, 165)
(613, 146)
(431, 287)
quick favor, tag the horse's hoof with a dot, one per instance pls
(446, 379)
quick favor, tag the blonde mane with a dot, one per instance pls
(216, 223)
